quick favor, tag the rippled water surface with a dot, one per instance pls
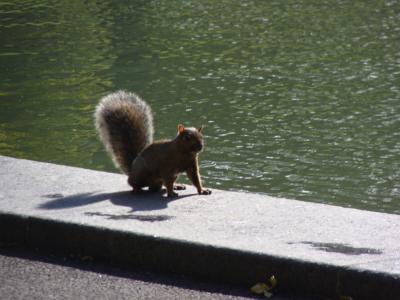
(300, 99)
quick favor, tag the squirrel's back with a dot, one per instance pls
(125, 125)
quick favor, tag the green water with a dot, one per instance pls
(300, 99)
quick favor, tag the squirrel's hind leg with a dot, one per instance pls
(136, 188)
(155, 187)
(169, 184)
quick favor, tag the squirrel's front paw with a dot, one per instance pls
(205, 192)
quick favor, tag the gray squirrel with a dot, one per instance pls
(125, 125)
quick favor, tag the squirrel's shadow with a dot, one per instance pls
(144, 201)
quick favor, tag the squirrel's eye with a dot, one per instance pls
(187, 137)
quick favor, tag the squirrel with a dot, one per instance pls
(124, 123)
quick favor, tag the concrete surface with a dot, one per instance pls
(227, 236)
(28, 274)
(38, 277)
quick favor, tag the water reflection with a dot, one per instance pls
(300, 98)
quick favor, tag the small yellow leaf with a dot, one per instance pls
(262, 288)
(267, 294)
(271, 283)
(259, 288)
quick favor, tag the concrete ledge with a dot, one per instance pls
(231, 237)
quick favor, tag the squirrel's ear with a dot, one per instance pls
(200, 129)
(181, 128)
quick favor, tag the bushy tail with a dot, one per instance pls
(125, 125)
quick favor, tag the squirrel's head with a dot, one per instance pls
(190, 139)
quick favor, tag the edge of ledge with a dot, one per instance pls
(193, 259)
